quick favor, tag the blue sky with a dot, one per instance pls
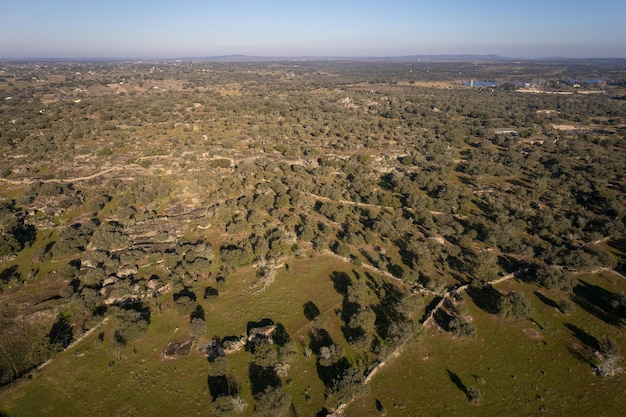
(189, 28)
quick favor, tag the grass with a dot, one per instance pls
(94, 382)
(523, 367)
(519, 372)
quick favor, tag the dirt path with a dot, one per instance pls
(64, 180)
(350, 203)
(369, 267)
(368, 205)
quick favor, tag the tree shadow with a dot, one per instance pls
(369, 258)
(579, 356)
(547, 301)
(324, 412)
(8, 273)
(329, 374)
(584, 337)
(26, 235)
(443, 319)
(61, 333)
(352, 334)
(261, 323)
(395, 270)
(198, 313)
(383, 320)
(391, 296)
(341, 281)
(311, 311)
(408, 258)
(319, 338)
(597, 301)
(261, 378)
(210, 292)
(486, 297)
(185, 293)
(280, 335)
(348, 309)
(457, 381)
(379, 406)
(218, 386)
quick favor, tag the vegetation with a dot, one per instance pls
(282, 238)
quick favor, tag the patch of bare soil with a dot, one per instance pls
(568, 127)
(532, 334)
(177, 350)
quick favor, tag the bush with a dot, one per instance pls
(462, 328)
(474, 395)
(351, 384)
(514, 306)
(273, 402)
(197, 327)
(554, 277)
(235, 256)
(566, 306)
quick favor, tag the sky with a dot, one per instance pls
(145, 29)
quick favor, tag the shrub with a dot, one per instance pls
(514, 306)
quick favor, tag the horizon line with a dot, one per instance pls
(234, 57)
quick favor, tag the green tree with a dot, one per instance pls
(349, 385)
(554, 277)
(272, 402)
(514, 306)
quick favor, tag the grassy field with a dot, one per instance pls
(521, 368)
(89, 380)
(529, 367)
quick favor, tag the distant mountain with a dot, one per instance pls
(406, 58)
(253, 58)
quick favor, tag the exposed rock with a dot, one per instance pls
(233, 344)
(127, 271)
(88, 263)
(110, 280)
(178, 349)
(261, 333)
(153, 284)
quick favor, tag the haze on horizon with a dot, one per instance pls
(188, 28)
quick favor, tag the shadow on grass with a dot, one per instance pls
(322, 413)
(311, 311)
(486, 297)
(198, 313)
(443, 319)
(319, 338)
(599, 302)
(547, 301)
(7, 274)
(218, 386)
(256, 324)
(583, 337)
(457, 381)
(341, 281)
(262, 377)
(280, 336)
(329, 374)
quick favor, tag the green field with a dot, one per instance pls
(521, 368)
